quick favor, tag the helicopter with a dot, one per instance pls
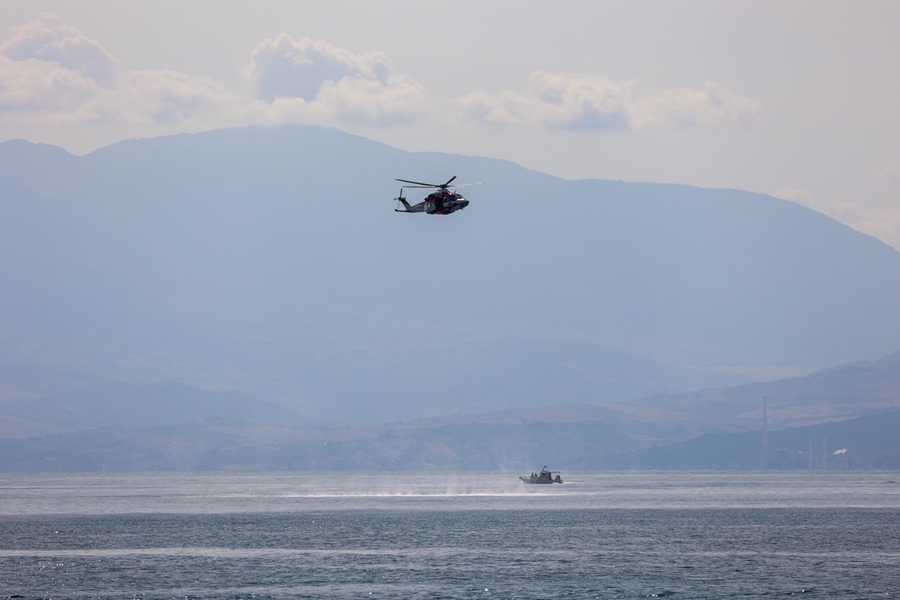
(441, 202)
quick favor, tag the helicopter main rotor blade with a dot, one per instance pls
(419, 183)
(440, 186)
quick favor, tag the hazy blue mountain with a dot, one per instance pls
(269, 261)
(868, 442)
(853, 407)
(871, 443)
(36, 401)
(838, 393)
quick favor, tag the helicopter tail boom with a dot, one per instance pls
(406, 205)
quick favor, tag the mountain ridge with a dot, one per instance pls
(204, 430)
(268, 261)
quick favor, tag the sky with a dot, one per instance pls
(794, 99)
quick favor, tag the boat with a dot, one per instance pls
(544, 476)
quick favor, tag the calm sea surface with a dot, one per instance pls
(468, 535)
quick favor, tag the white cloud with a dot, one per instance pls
(49, 67)
(587, 103)
(162, 96)
(288, 68)
(50, 71)
(33, 85)
(572, 102)
(580, 103)
(358, 101)
(505, 108)
(49, 39)
(708, 106)
(313, 80)
(36, 89)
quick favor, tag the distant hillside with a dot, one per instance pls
(36, 401)
(155, 428)
(869, 442)
(268, 261)
(852, 390)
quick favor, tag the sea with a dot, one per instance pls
(764, 534)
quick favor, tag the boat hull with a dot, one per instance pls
(544, 476)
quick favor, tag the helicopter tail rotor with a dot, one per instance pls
(402, 200)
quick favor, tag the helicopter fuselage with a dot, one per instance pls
(441, 202)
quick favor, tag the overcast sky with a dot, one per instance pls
(796, 99)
